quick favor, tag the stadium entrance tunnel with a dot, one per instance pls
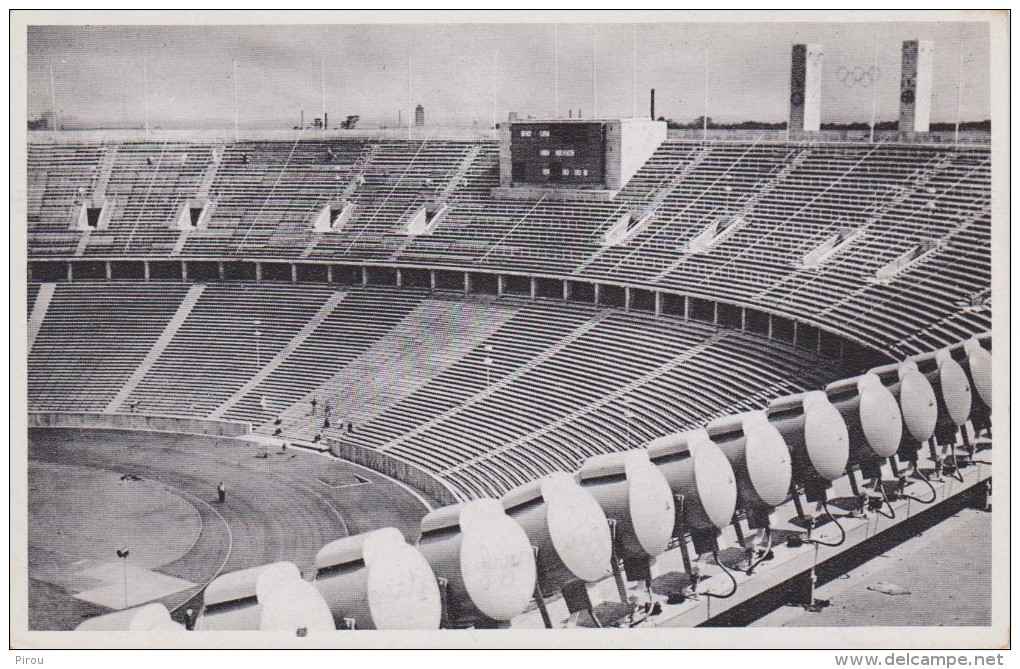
(165, 270)
(90, 271)
(127, 270)
(346, 275)
(49, 272)
(203, 271)
(381, 276)
(448, 280)
(194, 215)
(94, 215)
(239, 271)
(415, 278)
(277, 271)
(549, 288)
(483, 284)
(517, 285)
(612, 296)
(581, 291)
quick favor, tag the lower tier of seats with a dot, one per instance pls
(483, 393)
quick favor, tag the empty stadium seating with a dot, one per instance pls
(786, 199)
(60, 178)
(723, 220)
(145, 188)
(407, 368)
(228, 335)
(92, 339)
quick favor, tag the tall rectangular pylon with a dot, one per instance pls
(806, 88)
(916, 85)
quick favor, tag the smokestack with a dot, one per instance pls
(653, 104)
(325, 121)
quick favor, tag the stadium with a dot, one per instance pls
(564, 371)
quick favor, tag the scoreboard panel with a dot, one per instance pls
(571, 153)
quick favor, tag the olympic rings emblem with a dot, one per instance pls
(858, 76)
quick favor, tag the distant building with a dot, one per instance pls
(419, 116)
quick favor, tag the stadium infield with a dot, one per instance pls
(92, 492)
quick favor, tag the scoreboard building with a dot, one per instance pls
(560, 157)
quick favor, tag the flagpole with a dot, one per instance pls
(595, 71)
(704, 112)
(495, 87)
(145, 95)
(633, 69)
(874, 90)
(556, 70)
(409, 114)
(53, 95)
(959, 94)
(235, 102)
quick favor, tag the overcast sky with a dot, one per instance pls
(104, 75)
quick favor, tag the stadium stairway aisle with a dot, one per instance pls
(317, 319)
(92, 339)
(432, 337)
(364, 315)
(220, 345)
(38, 303)
(183, 310)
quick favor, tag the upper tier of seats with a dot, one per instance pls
(778, 202)
(407, 370)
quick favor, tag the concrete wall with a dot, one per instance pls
(505, 162)
(410, 474)
(630, 142)
(139, 422)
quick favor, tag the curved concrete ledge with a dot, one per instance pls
(411, 474)
(103, 421)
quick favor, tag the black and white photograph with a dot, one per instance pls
(512, 329)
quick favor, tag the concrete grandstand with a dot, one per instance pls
(359, 331)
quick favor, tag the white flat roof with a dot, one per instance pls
(638, 119)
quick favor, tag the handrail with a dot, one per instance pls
(262, 207)
(393, 189)
(148, 191)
